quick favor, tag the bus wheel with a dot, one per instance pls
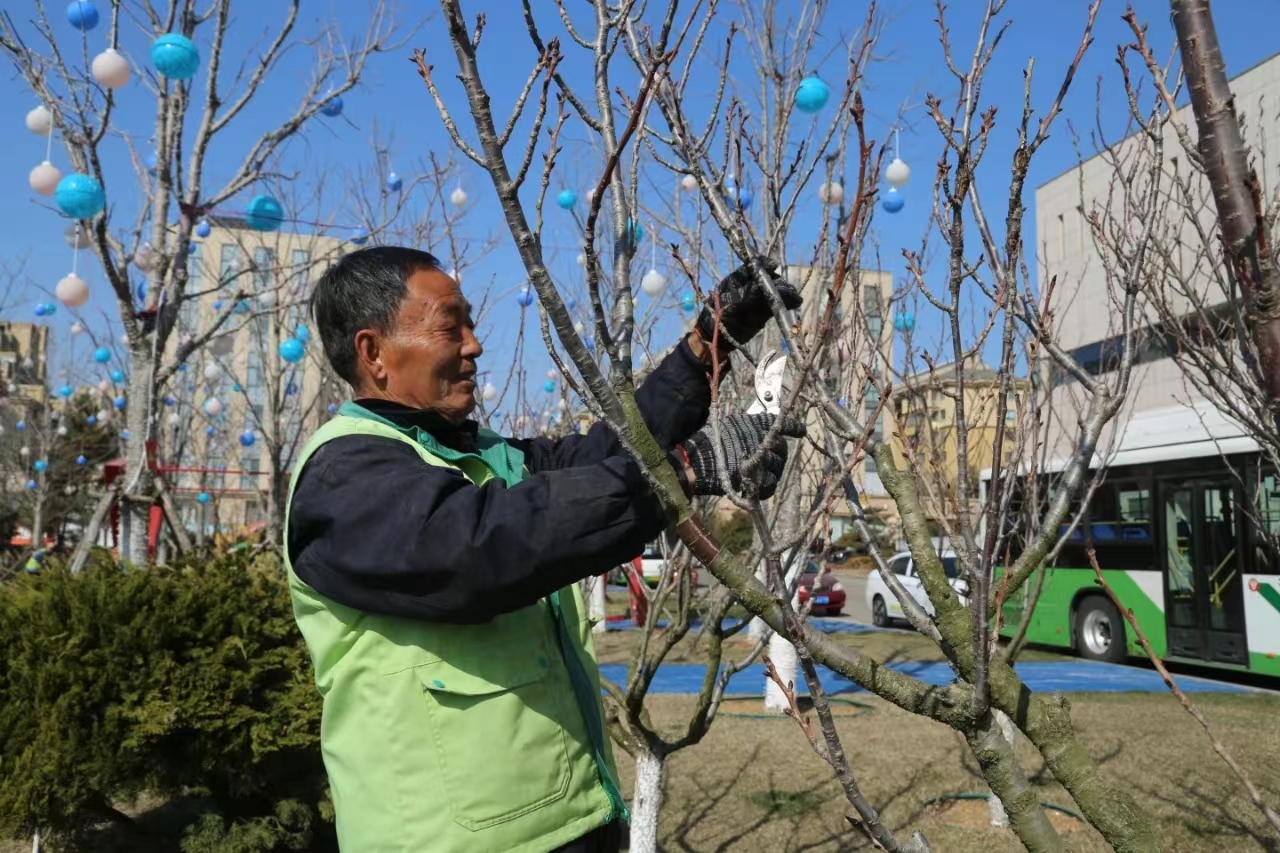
(1100, 630)
(879, 614)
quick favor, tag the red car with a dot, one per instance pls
(828, 597)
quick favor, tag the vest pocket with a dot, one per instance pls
(498, 727)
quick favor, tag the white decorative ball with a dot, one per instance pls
(24, 451)
(213, 407)
(124, 339)
(12, 387)
(105, 386)
(76, 328)
(44, 178)
(145, 257)
(458, 197)
(72, 291)
(175, 419)
(591, 195)
(832, 193)
(562, 404)
(103, 415)
(579, 327)
(77, 237)
(61, 431)
(581, 259)
(267, 298)
(897, 173)
(653, 283)
(212, 371)
(553, 374)
(689, 183)
(39, 120)
(490, 393)
(110, 69)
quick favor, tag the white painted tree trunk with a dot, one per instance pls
(782, 653)
(35, 842)
(996, 808)
(651, 770)
(595, 604)
(757, 628)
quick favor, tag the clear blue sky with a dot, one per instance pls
(393, 99)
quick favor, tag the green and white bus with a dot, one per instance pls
(1178, 527)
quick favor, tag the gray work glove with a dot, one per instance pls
(695, 459)
(744, 306)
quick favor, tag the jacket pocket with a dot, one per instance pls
(498, 725)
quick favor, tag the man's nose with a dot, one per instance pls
(471, 346)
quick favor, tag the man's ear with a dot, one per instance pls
(369, 346)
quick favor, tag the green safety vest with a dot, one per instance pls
(440, 737)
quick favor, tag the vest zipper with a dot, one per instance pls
(589, 706)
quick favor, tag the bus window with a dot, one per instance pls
(1120, 513)
(1266, 527)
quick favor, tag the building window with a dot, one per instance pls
(263, 261)
(230, 263)
(248, 471)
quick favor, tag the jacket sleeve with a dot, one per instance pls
(374, 527)
(674, 401)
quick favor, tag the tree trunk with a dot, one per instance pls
(136, 493)
(757, 628)
(999, 817)
(783, 653)
(651, 771)
(1235, 186)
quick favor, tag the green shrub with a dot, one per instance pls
(185, 682)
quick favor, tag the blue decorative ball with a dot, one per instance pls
(217, 305)
(40, 466)
(124, 434)
(637, 231)
(91, 420)
(333, 408)
(203, 497)
(291, 389)
(141, 291)
(118, 402)
(203, 228)
(812, 95)
(40, 310)
(264, 213)
(905, 321)
(32, 485)
(892, 201)
(117, 376)
(20, 426)
(50, 309)
(302, 333)
(65, 391)
(549, 386)
(182, 368)
(192, 248)
(102, 355)
(567, 199)
(332, 107)
(80, 460)
(236, 387)
(247, 438)
(80, 196)
(525, 297)
(169, 401)
(360, 237)
(210, 431)
(571, 303)
(242, 307)
(743, 198)
(394, 184)
(82, 14)
(175, 56)
(688, 302)
(292, 350)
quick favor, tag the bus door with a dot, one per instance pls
(1204, 604)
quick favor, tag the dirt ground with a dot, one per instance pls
(754, 784)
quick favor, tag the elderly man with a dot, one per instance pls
(433, 569)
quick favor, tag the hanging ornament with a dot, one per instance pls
(549, 386)
(124, 339)
(688, 302)
(394, 184)
(203, 228)
(212, 371)
(689, 183)
(91, 420)
(65, 391)
(105, 386)
(76, 328)
(39, 120)
(32, 485)
(40, 465)
(144, 258)
(892, 201)
(77, 237)
(82, 15)
(740, 196)
(117, 376)
(571, 303)
(553, 374)
(110, 69)
(81, 460)
(904, 321)
(579, 327)
(653, 283)
(209, 430)
(458, 197)
(247, 438)
(489, 393)
(212, 407)
(44, 178)
(567, 199)
(360, 237)
(267, 298)
(236, 387)
(832, 193)
(897, 174)
(264, 213)
(203, 497)
(41, 309)
(581, 259)
(118, 402)
(80, 196)
(302, 333)
(292, 350)
(333, 107)
(20, 426)
(175, 56)
(812, 95)
(633, 235)
(72, 291)
(525, 296)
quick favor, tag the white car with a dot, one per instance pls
(884, 605)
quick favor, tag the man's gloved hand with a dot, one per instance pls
(744, 306)
(695, 460)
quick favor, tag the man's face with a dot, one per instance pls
(428, 360)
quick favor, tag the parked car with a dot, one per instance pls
(839, 554)
(652, 562)
(883, 604)
(828, 595)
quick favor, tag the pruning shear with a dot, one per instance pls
(769, 372)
